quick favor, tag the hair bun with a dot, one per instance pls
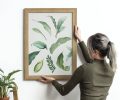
(109, 43)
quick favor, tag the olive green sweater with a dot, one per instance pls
(94, 78)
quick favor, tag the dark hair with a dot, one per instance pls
(102, 43)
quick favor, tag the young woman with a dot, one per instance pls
(96, 75)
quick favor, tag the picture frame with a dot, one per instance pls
(49, 45)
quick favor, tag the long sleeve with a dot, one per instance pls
(85, 52)
(74, 80)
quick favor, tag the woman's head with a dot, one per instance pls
(100, 46)
(98, 43)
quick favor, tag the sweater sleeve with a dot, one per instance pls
(74, 80)
(85, 52)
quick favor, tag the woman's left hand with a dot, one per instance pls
(77, 33)
(46, 79)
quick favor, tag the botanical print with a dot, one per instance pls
(50, 43)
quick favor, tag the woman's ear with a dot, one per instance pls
(97, 53)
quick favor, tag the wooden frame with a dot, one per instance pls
(47, 42)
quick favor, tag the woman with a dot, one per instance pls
(96, 75)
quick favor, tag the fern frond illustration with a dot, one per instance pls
(50, 63)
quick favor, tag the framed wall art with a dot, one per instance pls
(49, 45)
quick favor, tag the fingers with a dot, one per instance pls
(44, 77)
(43, 81)
(76, 32)
(41, 78)
(76, 28)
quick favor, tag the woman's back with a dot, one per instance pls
(96, 81)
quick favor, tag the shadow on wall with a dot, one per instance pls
(52, 94)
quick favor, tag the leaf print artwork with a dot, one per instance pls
(38, 31)
(40, 45)
(49, 43)
(60, 63)
(47, 34)
(38, 66)
(32, 56)
(59, 42)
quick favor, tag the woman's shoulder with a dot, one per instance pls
(85, 65)
(89, 65)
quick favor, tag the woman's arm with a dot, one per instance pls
(85, 52)
(75, 79)
(82, 45)
(66, 88)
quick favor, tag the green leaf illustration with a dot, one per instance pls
(60, 63)
(61, 29)
(53, 20)
(32, 56)
(59, 42)
(40, 45)
(69, 54)
(38, 66)
(50, 63)
(67, 68)
(60, 22)
(38, 31)
(46, 26)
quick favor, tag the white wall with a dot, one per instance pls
(93, 16)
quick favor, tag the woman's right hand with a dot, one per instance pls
(46, 79)
(77, 34)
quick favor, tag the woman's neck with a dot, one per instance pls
(99, 58)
